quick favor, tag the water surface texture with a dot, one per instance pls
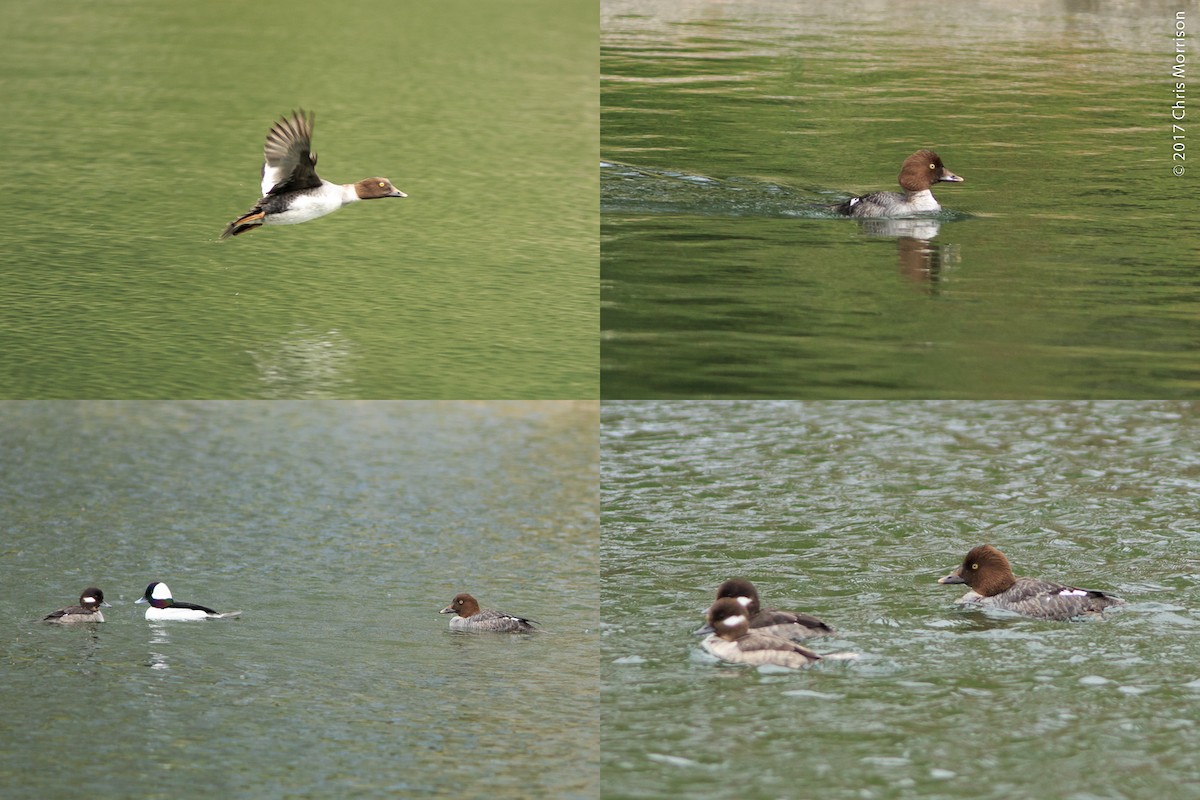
(851, 512)
(339, 529)
(1064, 265)
(133, 133)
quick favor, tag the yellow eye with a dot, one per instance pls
(975, 565)
(931, 166)
(381, 184)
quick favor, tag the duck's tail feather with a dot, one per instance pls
(246, 222)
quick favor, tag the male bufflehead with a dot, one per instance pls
(292, 192)
(470, 617)
(88, 609)
(165, 607)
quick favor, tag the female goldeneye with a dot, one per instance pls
(987, 572)
(165, 607)
(88, 609)
(292, 192)
(787, 624)
(920, 171)
(469, 617)
(732, 640)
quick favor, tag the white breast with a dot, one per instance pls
(923, 201)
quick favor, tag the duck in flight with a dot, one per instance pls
(292, 191)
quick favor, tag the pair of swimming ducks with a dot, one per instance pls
(162, 607)
(468, 616)
(742, 632)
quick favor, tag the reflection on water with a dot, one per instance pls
(920, 259)
(159, 638)
(305, 364)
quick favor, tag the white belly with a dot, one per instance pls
(310, 205)
(175, 614)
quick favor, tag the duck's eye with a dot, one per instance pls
(932, 166)
(381, 184)
(975, 565)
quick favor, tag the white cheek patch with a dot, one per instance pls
(744, 601)
(161, 592)
(734, 621)
(89, 600)
(1072, 593)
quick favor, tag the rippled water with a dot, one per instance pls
(1062, 266)
(340, 529)
(851, 511)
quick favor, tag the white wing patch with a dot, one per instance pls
(1072, 593)
(270, 177)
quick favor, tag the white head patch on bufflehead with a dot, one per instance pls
(292, 191)
(732, 623)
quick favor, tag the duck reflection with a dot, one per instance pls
(920, 259)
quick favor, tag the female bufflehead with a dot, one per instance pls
(986, 570)
(88, 609)
(292, 192)
(165, 607)
(788, 624)
(732, 640)
(470, 617)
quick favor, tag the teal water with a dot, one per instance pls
(339, 529)
(852, 511)
(133, 133)
(1064, 267)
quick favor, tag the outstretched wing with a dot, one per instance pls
(289, 163)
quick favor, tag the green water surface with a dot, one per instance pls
(1066, 266)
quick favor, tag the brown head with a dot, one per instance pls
(375, 188)
(923, 169)
(741, 590)
(985, 570)
(728, 619)
(463, 605)
(92, 598)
